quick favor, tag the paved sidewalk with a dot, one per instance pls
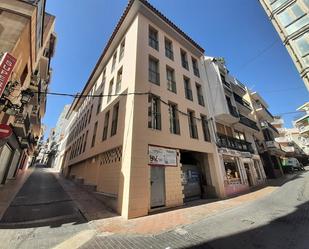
(187, 214)
(11, 188)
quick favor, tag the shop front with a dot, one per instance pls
(242, 170)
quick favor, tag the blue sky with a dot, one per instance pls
(237, 30)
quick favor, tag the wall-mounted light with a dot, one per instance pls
(26, 96)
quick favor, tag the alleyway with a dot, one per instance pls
(42, 215)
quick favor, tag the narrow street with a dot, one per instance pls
(41, 215)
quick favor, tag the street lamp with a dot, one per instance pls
(26, 96)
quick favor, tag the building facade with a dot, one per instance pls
(269, 149)
(27, 34)
(235, 128)
(291, 20)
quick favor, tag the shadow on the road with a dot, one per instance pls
(284, 232)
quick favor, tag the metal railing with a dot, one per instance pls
(201, 99)
(233, 111)
(154, 77)
(171, 85)
(169, 53)
(234, 143)
(242, 101)
(188, 93)
(153, 42)
(248, 122)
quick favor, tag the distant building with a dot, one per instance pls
(291, 20)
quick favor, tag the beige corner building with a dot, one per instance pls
(149, 150)
(291, 20)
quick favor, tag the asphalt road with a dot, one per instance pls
(41, 201)
(277, 221)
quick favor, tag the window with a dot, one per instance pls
(302, 44)
(94, 133)
(115, 119)
(184, 60)
(293, 18)
(205, 127)
(154, 114)
(195, 67)
(121, 52)
(119, 79)
(239, 135)
(105, 129)
(174, 121)
(188, 91)
(81, 144)
(169, 49)
(170, 76)
(114, 61)
(103, 79)
(153, 73)
(153, 38)
(110, 90)
(192, 124)
(199, 92)
(85, 141)
(232, 175)
(91, 108)
(306, 2)
(99, 103)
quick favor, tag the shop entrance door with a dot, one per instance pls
(157, 183)
(249, 174)
(192, 182)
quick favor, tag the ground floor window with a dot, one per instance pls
(232, 175)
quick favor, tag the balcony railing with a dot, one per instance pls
(242, 101)
(265, 124)
(233, 111)
(188, 93)
(201, 99)
(234, 143)
(248, 122)
(154, 77)
(171, 85)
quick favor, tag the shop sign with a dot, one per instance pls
(5, 131)
(159, 156)
(7, 64)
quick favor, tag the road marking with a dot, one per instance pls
(77, 240)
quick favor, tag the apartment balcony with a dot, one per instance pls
(233, 143)
(273, 144)
(304, 130)
(267, 125)
(228, 114)
(288, 149)
(248, 122)
(283, 140)
(262, 113)
(242, 105)
(238, 87)
(22, 126)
